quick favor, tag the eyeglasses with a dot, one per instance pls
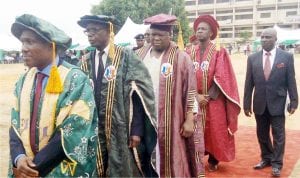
(92, 31)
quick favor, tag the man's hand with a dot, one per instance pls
(248, 112)
(229, 131)
(292, 111)
(202, 99)
(187, 128)
(134, 141)
(25, 167)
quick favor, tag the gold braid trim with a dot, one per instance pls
(191, 98)
(204, 83)
(84, 66)
(110, 97)
(193, 53)
(140, 51)
(168, 116)
(135, 152)
(108, 114)
(68, 165)
(99, 161)
(201, 175)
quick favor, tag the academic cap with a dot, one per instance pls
(192, 38)
(101, 19)
(166, 22)
(211, 22)
(161, 21)
(49, 33)
(42, 28)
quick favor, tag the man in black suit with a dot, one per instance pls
(271, 74)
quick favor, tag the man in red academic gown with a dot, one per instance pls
(217, 95)
(178, 153)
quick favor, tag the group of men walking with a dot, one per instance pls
(152, 112)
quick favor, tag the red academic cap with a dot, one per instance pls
(161, 21)
(211, 21)
(193, 38)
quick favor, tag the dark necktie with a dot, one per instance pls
(34, 115)
(99, 79)
(267, 68)
(100, 66)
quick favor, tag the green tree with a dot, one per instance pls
(138, 10)
(245, 36)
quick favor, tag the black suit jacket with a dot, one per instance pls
(272, 93)
(46, 159)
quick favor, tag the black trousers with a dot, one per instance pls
(271, 151)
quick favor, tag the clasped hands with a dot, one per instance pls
(202, 99)
(25, 168)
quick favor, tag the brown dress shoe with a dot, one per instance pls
(262, 165)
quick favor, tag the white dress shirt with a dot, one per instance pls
(272, 57)
(104, 58)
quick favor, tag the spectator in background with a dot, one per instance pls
(194, 40)
(238, 48)
(229, 48)
(245, 50)
(190, 47)
(248, 49)
(140, 40)
(147, 36)
(71, 57)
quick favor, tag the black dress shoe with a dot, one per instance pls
(262, 165)
(212, 167)
(275, 172)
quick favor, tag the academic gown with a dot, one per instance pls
(67, 125)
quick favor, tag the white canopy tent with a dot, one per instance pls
(9, 43)
(285, 35)
(128, 31)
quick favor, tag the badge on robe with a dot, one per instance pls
(110, 73)
(166, 69)
(196, 66)
(204, 65)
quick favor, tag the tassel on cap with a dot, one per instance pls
(111, 51)
(180, 42)
(54, 84)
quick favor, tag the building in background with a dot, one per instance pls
(237, 17)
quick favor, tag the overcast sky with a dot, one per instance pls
(62, 13)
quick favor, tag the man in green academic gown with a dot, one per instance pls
(53, 122)
(125, 102)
